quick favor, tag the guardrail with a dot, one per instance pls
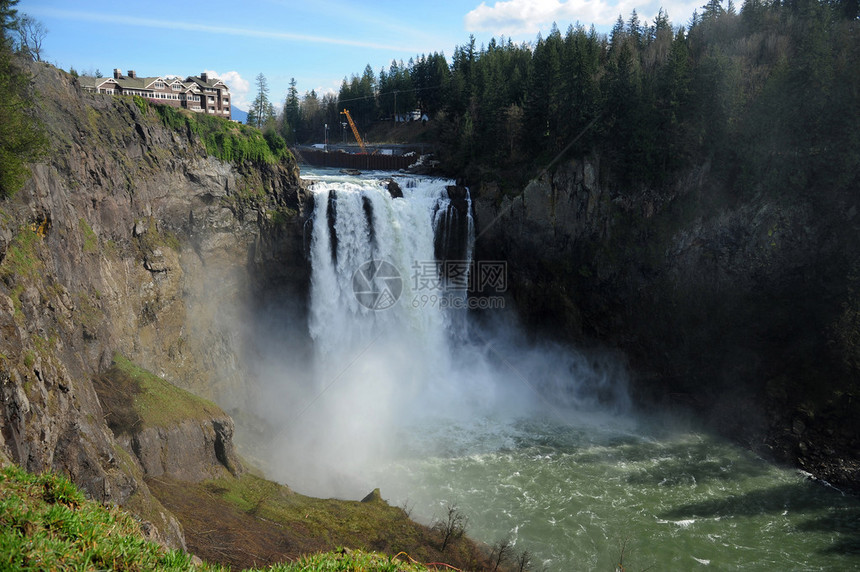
(340, 160)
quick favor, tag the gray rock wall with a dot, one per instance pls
(736, 303)
(130, 239)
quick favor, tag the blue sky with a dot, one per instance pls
(318, 42)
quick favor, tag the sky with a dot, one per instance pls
(317, 42)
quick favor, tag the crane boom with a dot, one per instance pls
(354, 130)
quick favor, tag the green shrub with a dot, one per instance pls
(348, 560)
(226, 140)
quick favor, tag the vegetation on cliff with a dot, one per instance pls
(250, 520)
(22, 138)
(224, 139)
(134, 399)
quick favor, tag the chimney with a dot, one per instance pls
(117, 73)
(132, 74)
(205, 77)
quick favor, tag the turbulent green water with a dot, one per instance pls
(573, 493)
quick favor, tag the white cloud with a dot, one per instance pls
(240, 88)
(528, 17)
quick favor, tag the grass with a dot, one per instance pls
(46, 523)
(22, 258)
(91, 241)
(349, 560)
(153, 238)
(249, 521)
(133, 399)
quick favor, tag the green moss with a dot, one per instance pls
(226, 140)
(15, 294)
(87, 313)
(111, 248)
(91, 240)
(137, 397)
(282, 215)
(93, 119)
(22, 260)
(29, 359)
(153, 238)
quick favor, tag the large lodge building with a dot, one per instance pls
(201, 93)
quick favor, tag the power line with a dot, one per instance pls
(389, 93)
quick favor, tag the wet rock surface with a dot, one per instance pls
(742, 308)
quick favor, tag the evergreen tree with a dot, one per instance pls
(544, 92)
(618, 35)
(291, 119)
(22, 139)
(261, 111)
(634, 29)
(8, 22)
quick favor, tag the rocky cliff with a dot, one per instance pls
(130, 240)
(740, 305)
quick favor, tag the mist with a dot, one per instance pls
(389, 363)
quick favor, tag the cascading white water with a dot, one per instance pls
(394, 355)
(359, 223)
(381, 350)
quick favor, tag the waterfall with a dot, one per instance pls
(373, 257)
(382, 336)
(394, 357)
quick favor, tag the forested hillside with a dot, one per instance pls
(767, 92)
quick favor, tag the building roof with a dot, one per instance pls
(208, 82)
(192, 83)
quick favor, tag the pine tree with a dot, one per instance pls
(260, 112)
(292, 113)
(22, 138)
(8, 22)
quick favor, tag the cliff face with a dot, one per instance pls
(130, 240)
(743, 308)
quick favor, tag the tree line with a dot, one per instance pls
(769, 91)
(22, 138)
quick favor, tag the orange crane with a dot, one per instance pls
(354, 130)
